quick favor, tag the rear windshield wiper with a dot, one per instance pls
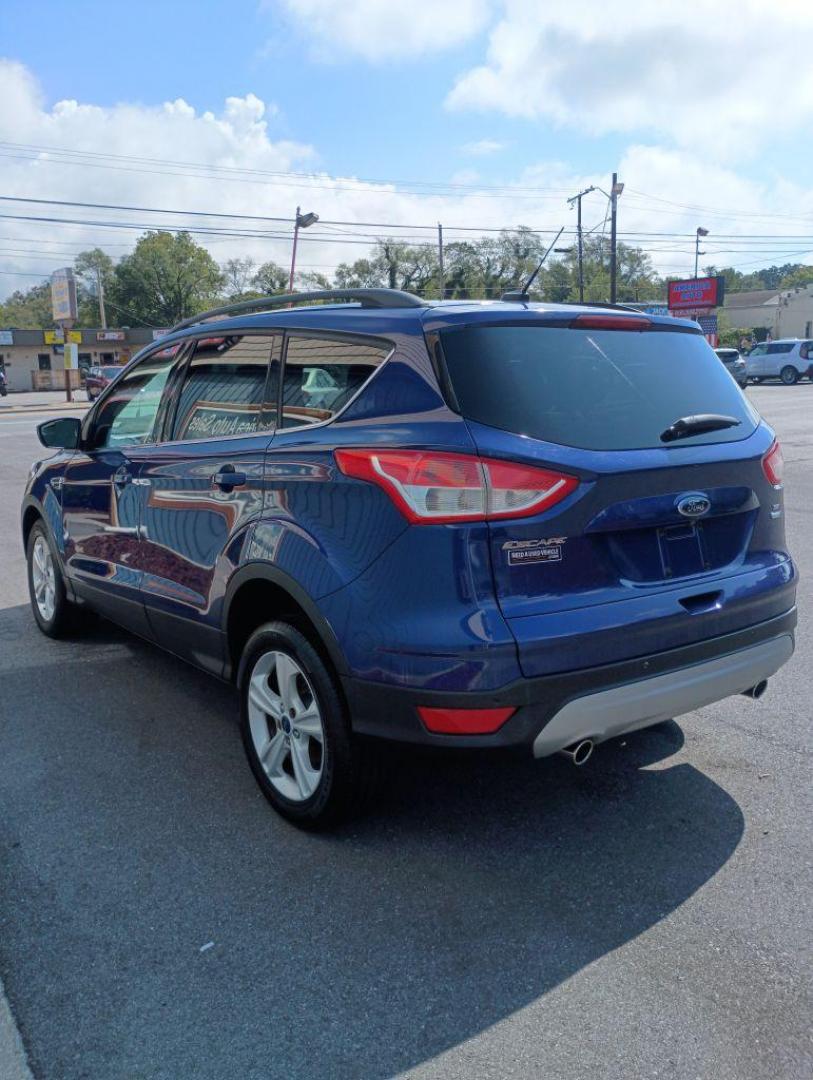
(687, 426)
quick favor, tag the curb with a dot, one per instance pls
(28, 410)
(13, 1059)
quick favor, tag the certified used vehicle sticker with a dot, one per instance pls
(534, 551)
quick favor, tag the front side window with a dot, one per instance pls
(322, 374)
(758, 350)
(126, 417)
(230, 387)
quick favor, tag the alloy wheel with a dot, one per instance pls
(43, 577)
(286, 725)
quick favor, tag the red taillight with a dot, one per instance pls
(440, 488)
(610, 322)
(464, 721)
(773, 465)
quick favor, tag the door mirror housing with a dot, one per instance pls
(62, 433)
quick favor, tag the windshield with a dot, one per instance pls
(595, 389)
(110, 372)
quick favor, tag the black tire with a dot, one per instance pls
(349, 766)
(66, 617)
(789, 375)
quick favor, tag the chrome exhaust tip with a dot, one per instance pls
(756, 691)
(579, 752)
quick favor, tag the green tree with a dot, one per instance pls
(270, 278)
(801, 276)
(29, 310)
(166, 278)
(91, 267)
(238, 276)
(393, 265)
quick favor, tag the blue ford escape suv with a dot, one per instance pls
(458, 524)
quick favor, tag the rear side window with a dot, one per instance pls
(322, 374)
(595, 389)
(228, 388)
(780, 347)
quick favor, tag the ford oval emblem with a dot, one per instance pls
(693, 505)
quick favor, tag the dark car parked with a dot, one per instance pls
(457, 524)
(98, 378)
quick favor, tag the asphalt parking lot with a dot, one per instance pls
(646, 916)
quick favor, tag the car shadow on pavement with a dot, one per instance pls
(132, 836)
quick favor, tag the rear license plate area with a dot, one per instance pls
(682, 551)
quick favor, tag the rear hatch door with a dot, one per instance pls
(665, 541)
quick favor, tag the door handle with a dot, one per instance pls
(228, 478)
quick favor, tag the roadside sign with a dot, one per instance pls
(71, 355)
(57, 337)
(694, 293)
(63, 295)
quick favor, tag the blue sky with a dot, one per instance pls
(553, 95)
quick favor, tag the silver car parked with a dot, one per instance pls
(734, 364)
(788, 359)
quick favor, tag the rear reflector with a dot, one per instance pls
(610, 322)
(464, 721)
(429, 487)
(773, 465)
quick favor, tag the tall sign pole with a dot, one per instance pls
(63, 305)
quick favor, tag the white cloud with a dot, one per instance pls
(483, 147)
(720, 75)
(382, 30)
(244, 169)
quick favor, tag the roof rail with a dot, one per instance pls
(368, 298)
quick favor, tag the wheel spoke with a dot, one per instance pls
(306, 776)
(274, 753)
(310, 723)
(287, 671)
(263, 698)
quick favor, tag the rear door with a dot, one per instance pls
(662, 542)
(201, 487)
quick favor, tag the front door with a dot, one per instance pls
(100, 502)
(201, 488)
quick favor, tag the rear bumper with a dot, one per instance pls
(553, 711)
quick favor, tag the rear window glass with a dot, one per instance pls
(595, 389)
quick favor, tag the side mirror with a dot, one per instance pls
(60, 434)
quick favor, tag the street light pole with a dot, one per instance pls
(301, 221)
(697, 252)
(577, 199)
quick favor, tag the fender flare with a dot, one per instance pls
(252, 571)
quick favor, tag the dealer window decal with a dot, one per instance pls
(522, 552)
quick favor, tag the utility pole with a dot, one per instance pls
(615, 191)
(440, 263)
(577, 199)
(697, 252)
(100, 290)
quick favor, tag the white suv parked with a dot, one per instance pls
(787, 359)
